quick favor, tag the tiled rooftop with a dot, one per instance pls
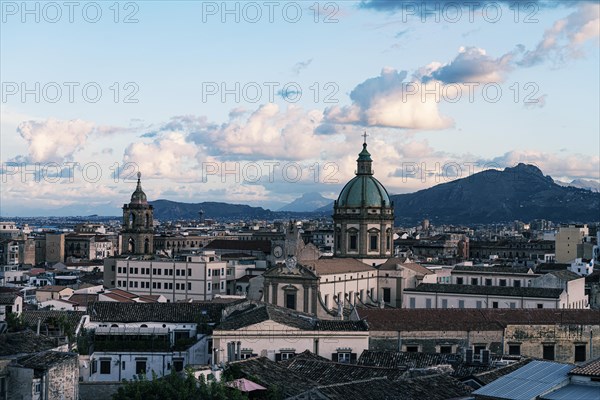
(591, 368)
(45, 360)
(488, 290)
(255, 313)
(405, 319)
(327, 266)
(108, 311)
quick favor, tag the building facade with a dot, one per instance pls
(363, 215)
(138, 224)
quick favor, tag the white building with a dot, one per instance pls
(260, 329)
(476, 296)
(144, 338)
(582, 268)
(197, 277)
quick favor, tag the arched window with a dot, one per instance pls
(147, 221)
(146, 246)
(131, 220)
(131, 246)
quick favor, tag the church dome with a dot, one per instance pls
(139, 197)
(364, 190)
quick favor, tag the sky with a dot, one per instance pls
(260, 102)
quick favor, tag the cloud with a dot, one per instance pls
(564, 40)
(169, 155)
(572, 165)
(423, 5)
(472, 64)
(301, 65)
(388, 101)
(54, 140)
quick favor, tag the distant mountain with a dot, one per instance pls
(587, 184)
(518, 193)
(306, 203)
(173, 210)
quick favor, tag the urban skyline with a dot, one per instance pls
(202, 96)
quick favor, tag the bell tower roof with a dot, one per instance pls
(138, 196)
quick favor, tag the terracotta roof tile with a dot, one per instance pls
(326, 266)
(405, 319)
(538, 292)
(591, 368)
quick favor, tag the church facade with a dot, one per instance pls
(363, 243)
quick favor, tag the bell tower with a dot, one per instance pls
(138, 223)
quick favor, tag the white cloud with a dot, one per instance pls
(390, 101)
(54, 140)
(564, 40)
(167, 156)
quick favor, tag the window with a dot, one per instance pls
(37, 387)
(412, 349)
(290, 301)
(287, 355)
(94, 366)
(514, 349)
(209, 272)
(178, 364)
(343, 357)
(353, 242)
(427, 303)
(494, 304)
(189, 285)
(461, 304)
(502, 282)
(123, 365)
(459, 281)
(478, 304)
(373, 242)
(540, 305)
(580, 352)
(516, 283)
(387, 295)
(412, 302)
(222, 271)
(445, 349)
(105, 366)
(444, 303)
(513, 304)
(548, 352)
(478, 348)
(140, 366)
(474, 281)
(488, 282)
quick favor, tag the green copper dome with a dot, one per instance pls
(364, 191)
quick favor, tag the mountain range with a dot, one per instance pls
(521, 193)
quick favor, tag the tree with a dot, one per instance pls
(176, 387)
(15, 322)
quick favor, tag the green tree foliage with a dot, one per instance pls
(15, 322)
(176, 387)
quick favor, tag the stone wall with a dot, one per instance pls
(63, 380)
(98, 390)
(532, 339)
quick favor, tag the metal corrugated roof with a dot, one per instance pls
(575, 392)
(528, 382)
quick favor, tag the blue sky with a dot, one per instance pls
(355, 66)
